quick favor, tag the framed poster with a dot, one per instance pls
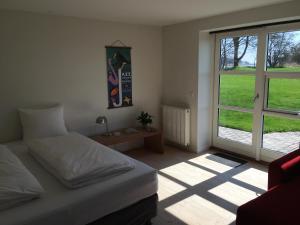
(119, 77)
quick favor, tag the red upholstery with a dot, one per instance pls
(280, 204)
(279, 169)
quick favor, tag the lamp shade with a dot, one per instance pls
(101, 120)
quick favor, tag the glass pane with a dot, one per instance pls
(284, 52)
(281, 134)
(284, 94)
(237, 90)
(238, 53)
(235, 126)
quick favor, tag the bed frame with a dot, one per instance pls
(139, 213)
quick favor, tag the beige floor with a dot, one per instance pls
(201, 189)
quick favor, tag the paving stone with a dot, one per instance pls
(278, 141)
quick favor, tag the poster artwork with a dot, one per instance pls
(119, 79)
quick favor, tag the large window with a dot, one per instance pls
(257, 91)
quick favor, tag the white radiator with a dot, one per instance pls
(176, 125)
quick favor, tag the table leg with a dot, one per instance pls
(154, 143)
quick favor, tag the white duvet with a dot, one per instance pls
(77, 160)
(17, 184)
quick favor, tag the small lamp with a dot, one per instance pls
(103, 120)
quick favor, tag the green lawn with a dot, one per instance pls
(235, 120)
(284, 69)
(239, 91)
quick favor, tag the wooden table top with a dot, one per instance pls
(124, 136)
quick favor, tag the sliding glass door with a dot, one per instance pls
(257, 91)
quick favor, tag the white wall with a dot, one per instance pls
(46, 59)
(188, 62)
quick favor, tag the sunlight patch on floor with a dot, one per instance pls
(187, 173)
(215, 163)
(196, 210)
(167, 187)
(233, 193)
(253, 177)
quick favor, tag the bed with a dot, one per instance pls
(129, 198)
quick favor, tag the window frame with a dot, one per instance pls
(261, 87)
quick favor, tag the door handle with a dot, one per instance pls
(256, 97)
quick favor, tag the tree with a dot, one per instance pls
(279, 48)
(234, 49)
(237, 44)
(296, 53)
(224, 53)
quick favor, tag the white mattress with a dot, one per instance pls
(62, 206)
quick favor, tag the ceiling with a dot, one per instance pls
(149, 12)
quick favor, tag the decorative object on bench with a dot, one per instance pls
(119, 78)
(117, 133)
(279, 205)
(103, 120)
(152, 140)
(145, 119)
(130, 130)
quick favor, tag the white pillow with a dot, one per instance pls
(40, 123)
(17, 184)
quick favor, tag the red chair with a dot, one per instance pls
(280, 205)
